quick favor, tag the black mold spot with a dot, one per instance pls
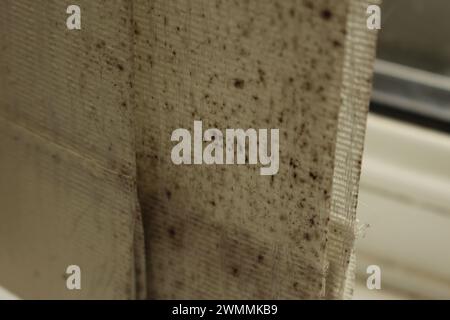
(326, 14)
(261, 74)
(292, 12)
(336, 44)
(101, 44)
(313, 175)
(292, 163)
(136, 29)
(239, 83)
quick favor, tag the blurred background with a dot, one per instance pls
(404, 201)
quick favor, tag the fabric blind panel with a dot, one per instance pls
(67, 159)
(85, 149)
(226, 231)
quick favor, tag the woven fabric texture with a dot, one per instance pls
(85, 152)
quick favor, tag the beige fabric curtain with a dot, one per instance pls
(86, 175)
